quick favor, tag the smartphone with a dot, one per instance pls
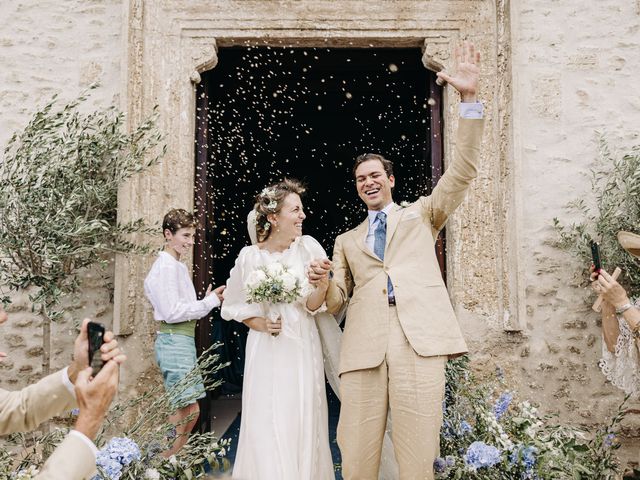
(95, 332)
(595, 254)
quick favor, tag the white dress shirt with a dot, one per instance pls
(373, 224)
(170, 290)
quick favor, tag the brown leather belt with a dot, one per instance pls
(392, 300)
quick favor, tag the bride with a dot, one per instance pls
(284, 427)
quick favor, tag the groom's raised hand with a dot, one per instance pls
(467, 66)
(318, 271)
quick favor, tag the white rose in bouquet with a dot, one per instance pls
(289, 281)
(256, 278)
(275, 269)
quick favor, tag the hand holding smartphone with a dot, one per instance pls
(95, 332)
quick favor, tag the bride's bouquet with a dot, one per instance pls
(273, 284)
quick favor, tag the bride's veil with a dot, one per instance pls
(331, 338)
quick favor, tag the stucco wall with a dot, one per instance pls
(545, 99)
(47, 48)
(574, 69)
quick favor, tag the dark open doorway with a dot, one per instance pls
(265, 113)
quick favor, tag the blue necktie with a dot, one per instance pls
(379, 241)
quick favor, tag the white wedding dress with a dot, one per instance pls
(284, 425)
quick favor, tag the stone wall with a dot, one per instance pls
(574, 68)
(47, 48)
(548, 88)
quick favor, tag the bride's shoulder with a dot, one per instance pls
(311, 244)
(248, 251)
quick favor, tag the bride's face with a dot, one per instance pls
(290, 217)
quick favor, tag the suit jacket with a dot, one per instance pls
(26, 409)
(422, 301)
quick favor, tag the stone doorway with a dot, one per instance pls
(268, 112)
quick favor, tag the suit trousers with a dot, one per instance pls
(412, 387)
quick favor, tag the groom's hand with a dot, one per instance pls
(318, 271)
(465, 80)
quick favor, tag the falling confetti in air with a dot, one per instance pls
(268, 112)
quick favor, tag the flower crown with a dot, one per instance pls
(269, 194)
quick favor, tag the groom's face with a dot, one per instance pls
(373, 184)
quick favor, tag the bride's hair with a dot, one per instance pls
(269, 201)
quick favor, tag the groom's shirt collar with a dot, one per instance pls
(373, 213)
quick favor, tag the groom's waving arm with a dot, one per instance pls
(452, 187)
(341, 283)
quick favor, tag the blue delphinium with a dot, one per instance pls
(526, 455)
(502, 404)
(118, 453)
(609, 440)
(465, 427)
(481, 455)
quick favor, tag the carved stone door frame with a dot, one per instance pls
(168, 43)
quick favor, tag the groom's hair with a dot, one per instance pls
(386, 164)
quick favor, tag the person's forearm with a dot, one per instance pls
(256, 323)
(88, 424)
(316, 299)
(610, 327)
(632, 317)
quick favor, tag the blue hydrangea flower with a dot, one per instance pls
(502, 404)
(123, 450)
(119, 452)
(481, 455)
(111, 467)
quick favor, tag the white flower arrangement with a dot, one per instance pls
(27, 474)
(270, 194)
(274, 283)
(152, 474)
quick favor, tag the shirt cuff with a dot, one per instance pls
(67, 383)
(212, 301)
(86, 440)
(471, 110)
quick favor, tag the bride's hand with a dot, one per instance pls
(273, 327)
(318, 272)
(262, 324)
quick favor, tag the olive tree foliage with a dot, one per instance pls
(613, 205)
(60, 178)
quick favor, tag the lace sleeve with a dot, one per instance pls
(621, 366)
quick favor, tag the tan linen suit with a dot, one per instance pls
(26, 409)
(394, 356)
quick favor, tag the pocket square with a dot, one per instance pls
(409, 216)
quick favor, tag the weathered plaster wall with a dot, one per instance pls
(547, 89)
(574, 67)
(48, 48)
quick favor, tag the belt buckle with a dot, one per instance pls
(392, 300)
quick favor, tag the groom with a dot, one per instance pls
(400, 325)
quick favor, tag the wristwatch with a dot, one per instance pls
(624, 308)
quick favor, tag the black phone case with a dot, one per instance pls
(95, 332)
(595, 254)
